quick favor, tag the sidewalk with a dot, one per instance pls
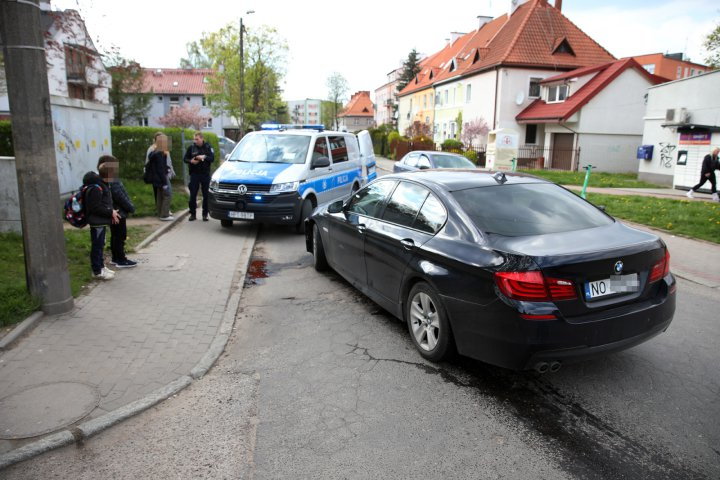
(128, 344)
(690, 259)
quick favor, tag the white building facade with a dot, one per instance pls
(307, 111)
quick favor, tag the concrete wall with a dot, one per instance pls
(81, 134)
(9, 199)
(700, 95)
(609, 153)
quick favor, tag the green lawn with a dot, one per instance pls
(141, 195)
(597, 179)
(690, 218)
(15, 302)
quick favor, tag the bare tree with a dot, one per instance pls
(337, 92)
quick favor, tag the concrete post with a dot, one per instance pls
(38, 188)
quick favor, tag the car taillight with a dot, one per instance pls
(534, 286)
(660, 269)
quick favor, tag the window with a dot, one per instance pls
(204, 101)
(679, 72)
(427, 120)
(468, 93)
(443, 160)
(534, 89)
(692, 71)
(557, 93)
(187, 99)
(160, 98)
(208, 122)
(424, 162)
(411, 160)
(424, 101)
(452, 129)
(174, 99)
(404, 204)
(320, 149)
(431, 217)
(338, 149)
(530, 134)
(650, 67)
(142, 121)
(686, 71)
(437, 98)
(370, 199)
(272, 149)
(446, 97)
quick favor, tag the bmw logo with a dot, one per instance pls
(242, 190)
(618, 267)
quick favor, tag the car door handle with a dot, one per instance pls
(361, 228)
(407, 244)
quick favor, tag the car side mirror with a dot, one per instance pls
(320, 162)
(423, 167)
(336, 207)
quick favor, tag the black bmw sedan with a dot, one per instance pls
(504, 268)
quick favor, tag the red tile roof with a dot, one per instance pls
(529, 37)
(359, 105)
(541, 112)
(176, 80)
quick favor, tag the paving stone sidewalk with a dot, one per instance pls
(146, 328)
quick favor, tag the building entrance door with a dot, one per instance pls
(562, 151)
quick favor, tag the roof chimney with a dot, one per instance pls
(483, 19)
(455, 35)
(558, 5)
(514, 4)
(45, 5)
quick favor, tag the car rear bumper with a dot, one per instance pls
(278, 209)
(496, 334)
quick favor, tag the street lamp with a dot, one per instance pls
(242, 75)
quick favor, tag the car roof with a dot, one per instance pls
(299, 131)
(435, 152)
(454, 179)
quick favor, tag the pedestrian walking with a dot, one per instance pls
(709, 165)
(100, 214)
(124, 206)
(159, 176)
(199, 156)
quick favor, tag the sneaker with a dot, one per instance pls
(689, 194)
(126, 263)
(192, 217)
(169, 218)
(105, 274)
(205, 218)
(715, 197)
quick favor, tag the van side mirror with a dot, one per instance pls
(424, 167)
(336, 207)
(227, 155)
(320, 162)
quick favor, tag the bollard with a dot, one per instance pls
(587, 180)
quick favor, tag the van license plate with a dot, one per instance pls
(242, 215)
(612, 285)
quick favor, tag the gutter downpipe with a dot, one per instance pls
(497, 74)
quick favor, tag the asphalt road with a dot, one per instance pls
(319, 382)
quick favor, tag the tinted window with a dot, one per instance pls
(423, 162)
(452, 161)
(338, 148)
(432, 215)
(404, 204)
(259, 148)
(320, 149)
(528, 209)
(369, 200)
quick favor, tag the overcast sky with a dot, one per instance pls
(365, 40)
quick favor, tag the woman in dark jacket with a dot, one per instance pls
(157, 167)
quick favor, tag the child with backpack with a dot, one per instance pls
(122, 203)
(100, 213)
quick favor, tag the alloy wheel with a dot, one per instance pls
(424, 321)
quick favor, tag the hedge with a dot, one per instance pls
(130, 144)
(6, 143)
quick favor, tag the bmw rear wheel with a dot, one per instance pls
(319, 259)
(428, 324)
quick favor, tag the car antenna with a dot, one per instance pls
(500, 177)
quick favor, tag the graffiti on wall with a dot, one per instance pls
(666, 154)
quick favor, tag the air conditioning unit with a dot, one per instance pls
(677, 115)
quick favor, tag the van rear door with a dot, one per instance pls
(367, 156)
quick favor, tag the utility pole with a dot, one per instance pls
(38, 187)
(242, 76)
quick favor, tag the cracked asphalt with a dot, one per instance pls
(319, 382)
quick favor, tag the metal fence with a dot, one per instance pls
(529, 156)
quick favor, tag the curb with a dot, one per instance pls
(78, 434)
(25, 326)
(160, 231)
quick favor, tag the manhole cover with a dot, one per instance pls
(45, 408)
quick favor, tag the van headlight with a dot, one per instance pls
(213, 185)
(284, 187)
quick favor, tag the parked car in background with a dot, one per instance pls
(424, 159)
(226, 145)
(505, 268)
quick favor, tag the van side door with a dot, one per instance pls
(343, 169)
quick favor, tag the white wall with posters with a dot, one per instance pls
(695, 102)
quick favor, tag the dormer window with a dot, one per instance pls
(431, 75)
(557, 93)
(477, 56)
(453, 66)
(563, 46)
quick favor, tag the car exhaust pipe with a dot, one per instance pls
(542, 367)
(555, 366)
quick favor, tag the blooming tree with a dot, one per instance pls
(186, 116)
(474, 130)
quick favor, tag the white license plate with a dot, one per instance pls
(242, 215)
(612, 285)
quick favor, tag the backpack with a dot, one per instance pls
(147, 175)
(74, 210)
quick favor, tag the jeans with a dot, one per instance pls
(163, 195)
(118, 235)
(198, 180)
(97, 244)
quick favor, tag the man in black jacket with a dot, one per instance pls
(199, 156)
(709, 165)
(100, 214)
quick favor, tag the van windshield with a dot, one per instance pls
(272, 149)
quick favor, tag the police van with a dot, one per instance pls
(281, 173)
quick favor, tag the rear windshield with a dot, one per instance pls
(451, 161)
(272, 149)
(528, 209)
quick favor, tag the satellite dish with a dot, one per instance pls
(520, 98)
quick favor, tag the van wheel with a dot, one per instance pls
(226, 223)
(305, 211)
